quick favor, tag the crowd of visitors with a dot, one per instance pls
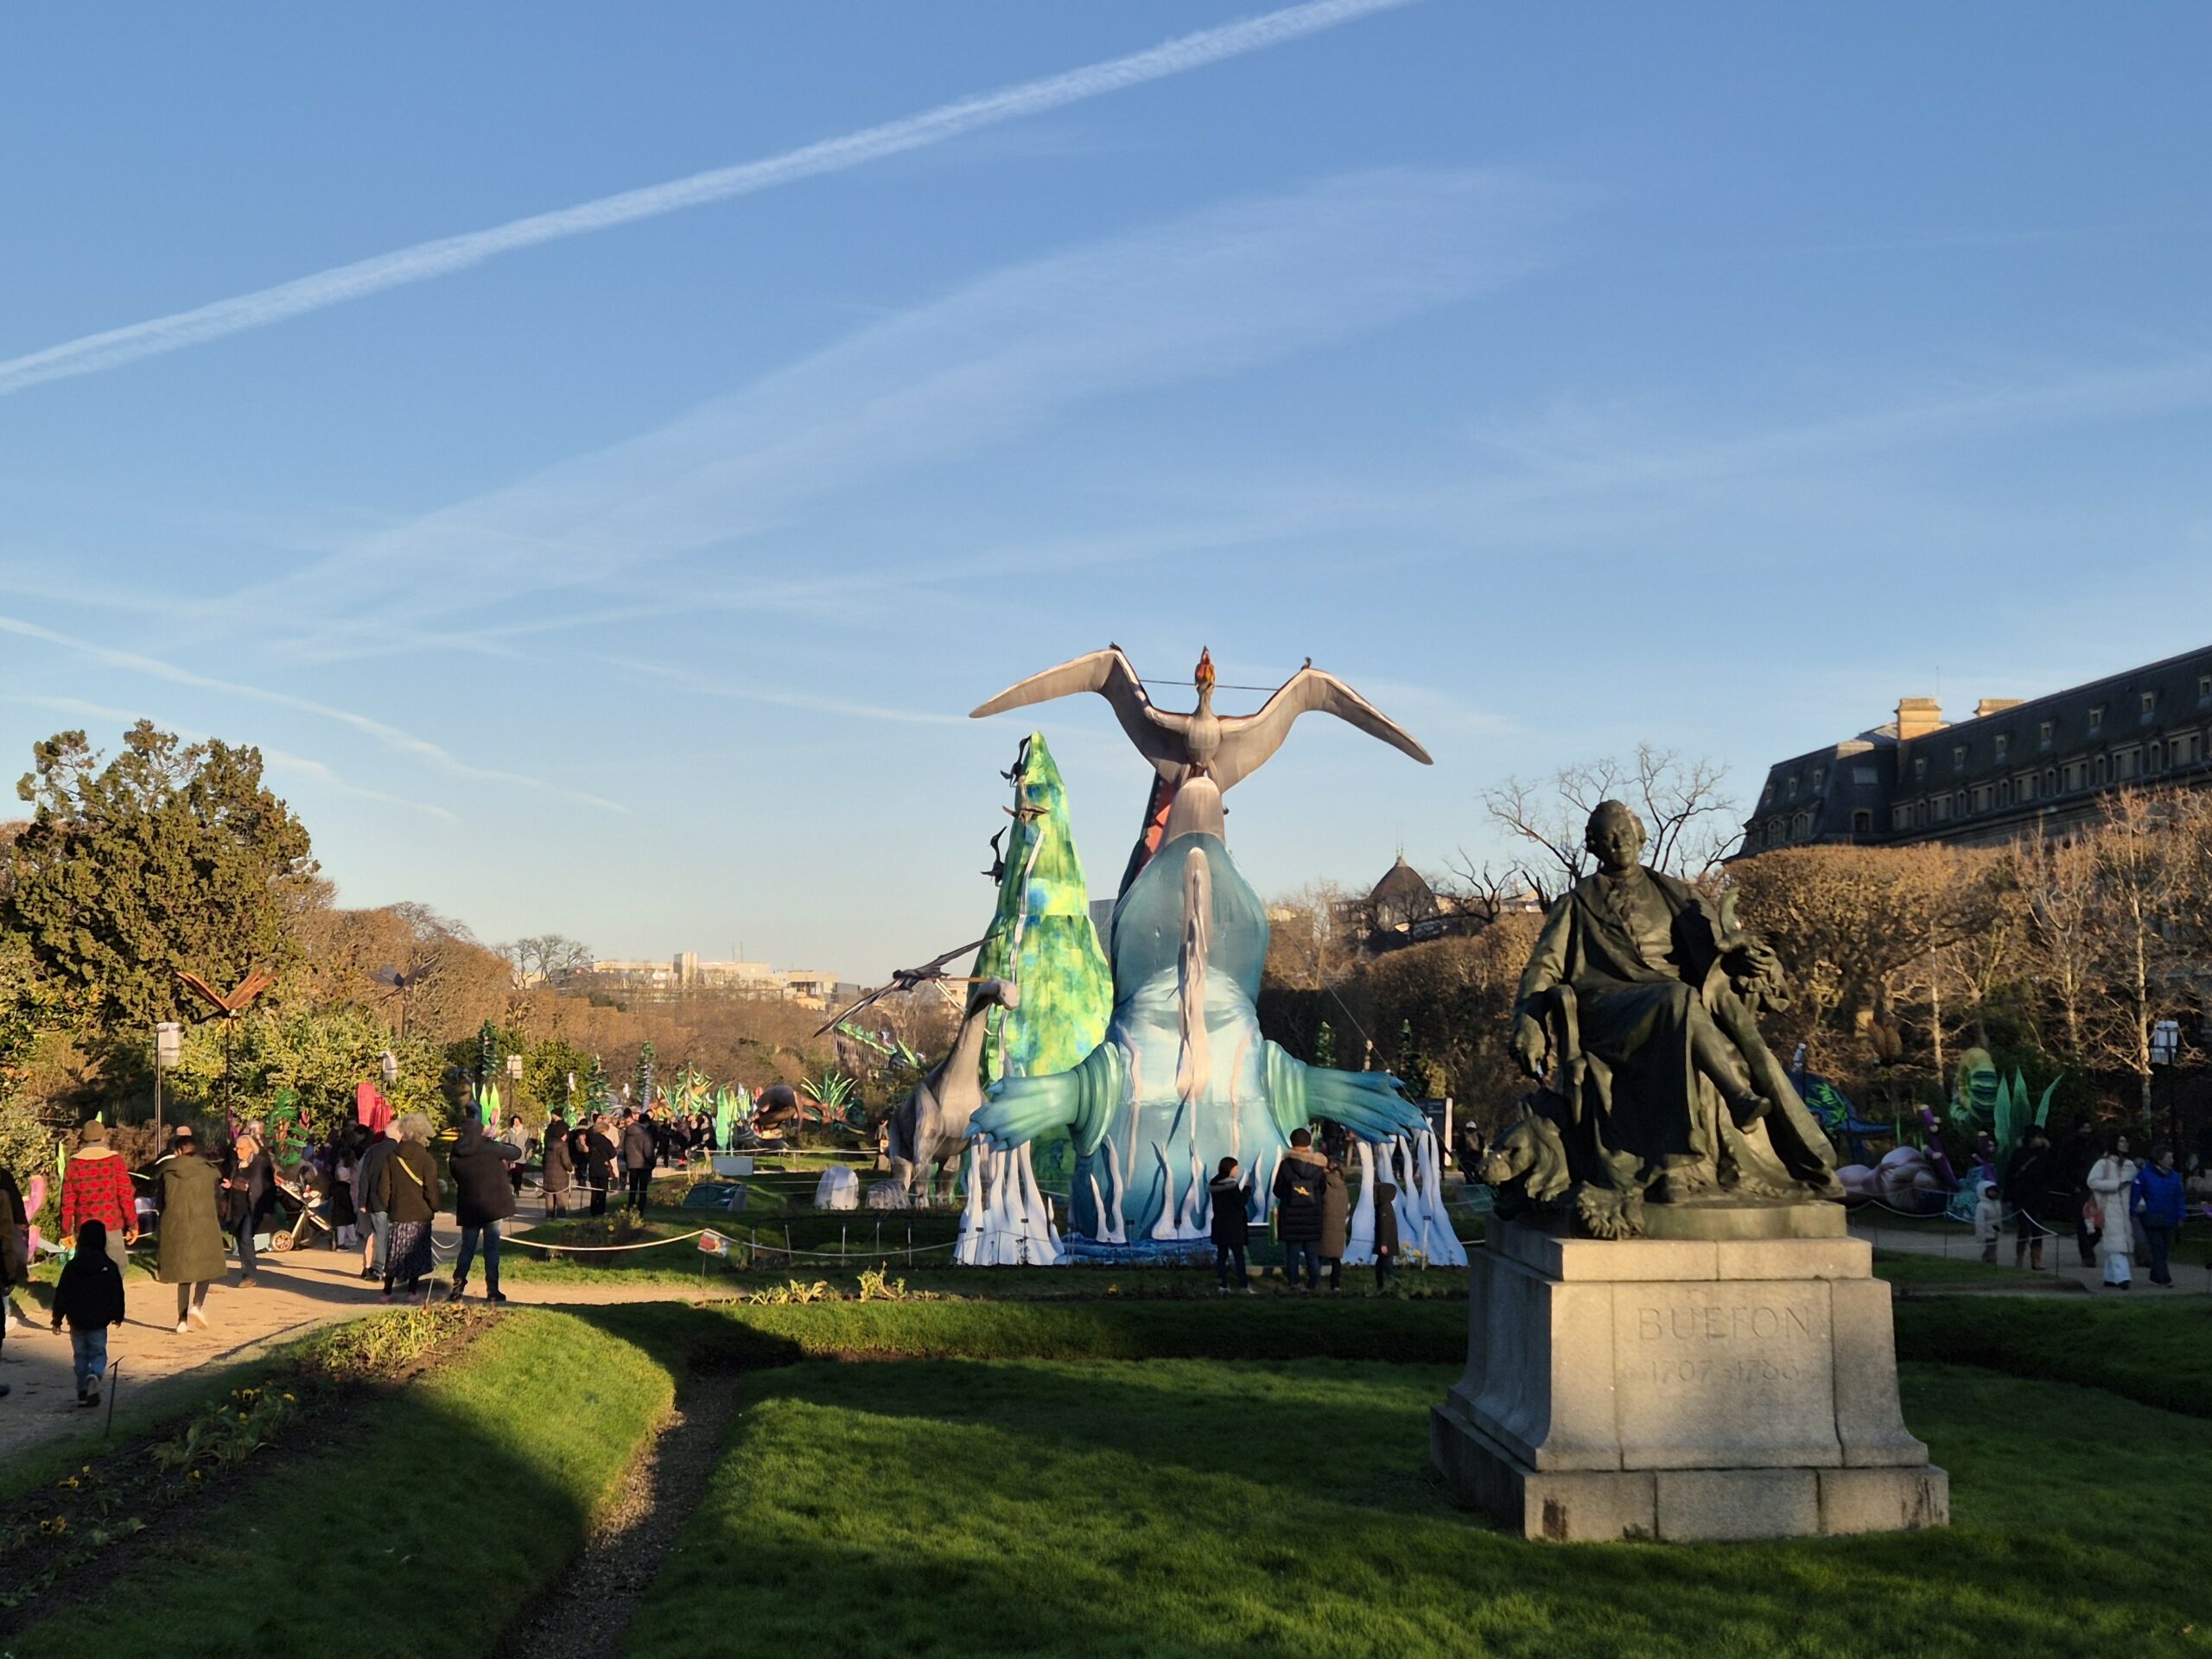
(2119, 1209)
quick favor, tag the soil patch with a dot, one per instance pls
(586, 1612)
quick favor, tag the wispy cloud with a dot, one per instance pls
(390, 737)
(93, 353)
(1205, 295)
(278, 762)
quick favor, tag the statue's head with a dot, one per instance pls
(1614, 838)
(1203, 674)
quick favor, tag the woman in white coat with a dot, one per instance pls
(2112, 1180)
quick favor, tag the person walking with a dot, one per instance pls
(2070, 1186)
(250, 1189)
(1336, 1221)
(16, 1221)
(2111, 1189)
(1300, 1179)
(482, 1198)
(97, 1186)
(14, 1269)
(1231, 1226)
(408, 1185)
(190, 1243)
(558, 1167)
(2027, 1193)
(639, 1152)
(368, 1201)
(89, 1295)
(2158, 1205)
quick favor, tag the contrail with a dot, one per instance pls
(92, 353)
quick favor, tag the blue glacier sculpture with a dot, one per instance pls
(1183, 1077)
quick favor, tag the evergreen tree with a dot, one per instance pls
(171, 855)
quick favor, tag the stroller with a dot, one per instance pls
(304, 1211)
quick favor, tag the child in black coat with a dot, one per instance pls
(90, 1296)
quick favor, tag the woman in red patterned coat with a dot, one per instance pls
(97, 1186)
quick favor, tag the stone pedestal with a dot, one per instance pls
(1684, 1388)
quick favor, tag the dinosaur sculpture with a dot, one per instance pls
(928, 1130)
(1184, 1076)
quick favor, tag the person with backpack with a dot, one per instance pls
(89, 1295)
(1301, 1179)
(1231, 1225)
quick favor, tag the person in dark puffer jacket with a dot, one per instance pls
(1301, 1179)
(1231, 1225)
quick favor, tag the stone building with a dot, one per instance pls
(2016, 766)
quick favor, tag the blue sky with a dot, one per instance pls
(1561, 377)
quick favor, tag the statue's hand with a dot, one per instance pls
(1531, 1047)
(1016, 1110)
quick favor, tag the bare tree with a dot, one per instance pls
(546, 959)
(1481, 891)
(1688, 821)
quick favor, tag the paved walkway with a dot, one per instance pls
(297, 1291)
(2062, 1263)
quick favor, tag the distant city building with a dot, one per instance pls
(686, 972)
(2014, 768)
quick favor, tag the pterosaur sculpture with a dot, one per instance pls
(1183, 1077)
(1223, 749)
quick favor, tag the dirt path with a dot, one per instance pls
(298, 1291)
(588, 1611)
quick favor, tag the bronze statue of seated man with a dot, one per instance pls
(1646, 994)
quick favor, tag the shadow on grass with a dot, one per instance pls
(951, 1508)
(420, 1527)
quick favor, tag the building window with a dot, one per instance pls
(1865, 776)
(1862, 821)
(2004, 792)
(2096, 720)
(2051, 780)
(1791, 792)
(1820, 778)
(1900, 817)
(1767, 799)
(1958, 757)
(2203, 689)
(2003, 744)
(2124, 764)
(1803, 827)
(2104, 771)
(1920, 769)
(2045, 732)
(2153, 757)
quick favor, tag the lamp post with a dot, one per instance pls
(169, 1048)
(2165, 1047)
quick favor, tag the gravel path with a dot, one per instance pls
(590, 1609)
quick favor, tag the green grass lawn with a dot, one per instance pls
(1185, 1507)
(1910, 1269)
(421, 1527)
